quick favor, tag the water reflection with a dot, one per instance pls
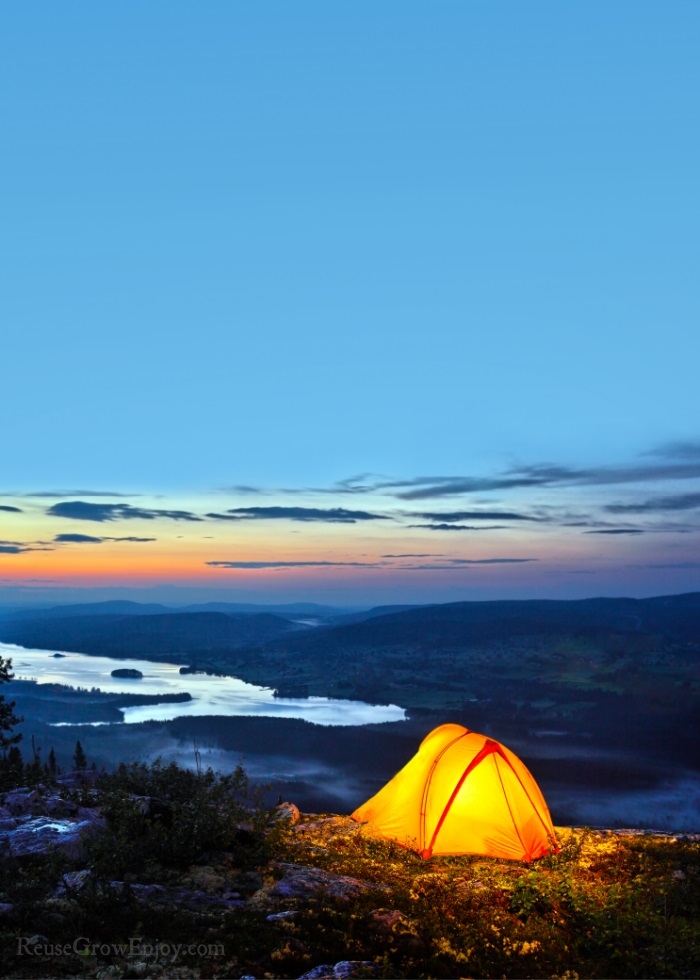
(211, 695)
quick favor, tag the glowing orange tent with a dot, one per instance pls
(463, 793)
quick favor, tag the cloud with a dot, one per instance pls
(676, 450)
(490, 561)
(460, 527)
(617, 530)
(79, 493)
(20, 547)
(424, 488)
(410, 556)
(677, 461)
(10, 510)
(361, 483)
(136, 540)
(449, 564)
(77, 539)
(475, 515)
(683, 501)
(242, 488)
(455, 564)
(677, 564)
(89, 539)
(330, 515)
(79, 510)
(291, 564)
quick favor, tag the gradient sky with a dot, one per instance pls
(432, 264)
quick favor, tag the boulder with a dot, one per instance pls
(42, 835)
(322, 972)
(21, 802)
(288, 812)
(344, 970)
(78, 778)
(300, 881)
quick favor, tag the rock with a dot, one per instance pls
(41, 835)
(281, 916)
(355, 968)
(396, 928)
(21, 802)
(299, 881)
(78, 778)
(344, 970)
(323, 972)
(56, 806)
(72, 882)
(336, 824)
(287, 811)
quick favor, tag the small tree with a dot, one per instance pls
(79, 757)
(8, 718)
(52, 765)
(11, 769)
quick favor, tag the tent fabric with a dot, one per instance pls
(463, 793)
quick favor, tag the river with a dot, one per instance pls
(211, 695)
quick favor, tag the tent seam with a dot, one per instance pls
(510, 811)
(426, 787)
(487, 748)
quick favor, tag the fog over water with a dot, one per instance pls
(211, 695)
(673, 805)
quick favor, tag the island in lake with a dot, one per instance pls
(127, 672)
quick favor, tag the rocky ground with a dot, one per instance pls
(91, 887)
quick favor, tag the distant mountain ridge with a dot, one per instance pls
(128, 607)
(150, 636)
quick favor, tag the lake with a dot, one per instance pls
(211, 695)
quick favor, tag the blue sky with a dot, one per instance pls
(278, 246)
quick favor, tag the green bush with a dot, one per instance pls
(162, 816)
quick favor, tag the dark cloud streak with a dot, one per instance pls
(676, 502)
(460, 527)
(79, 510)
(89, 539)
(475, 515)
(292, 564)
(330, 515)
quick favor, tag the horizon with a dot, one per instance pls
(362, 306)
(174, 599)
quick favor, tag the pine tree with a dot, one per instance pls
(79, 757)
(11, 769)
(8, 718)
(53, 768)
